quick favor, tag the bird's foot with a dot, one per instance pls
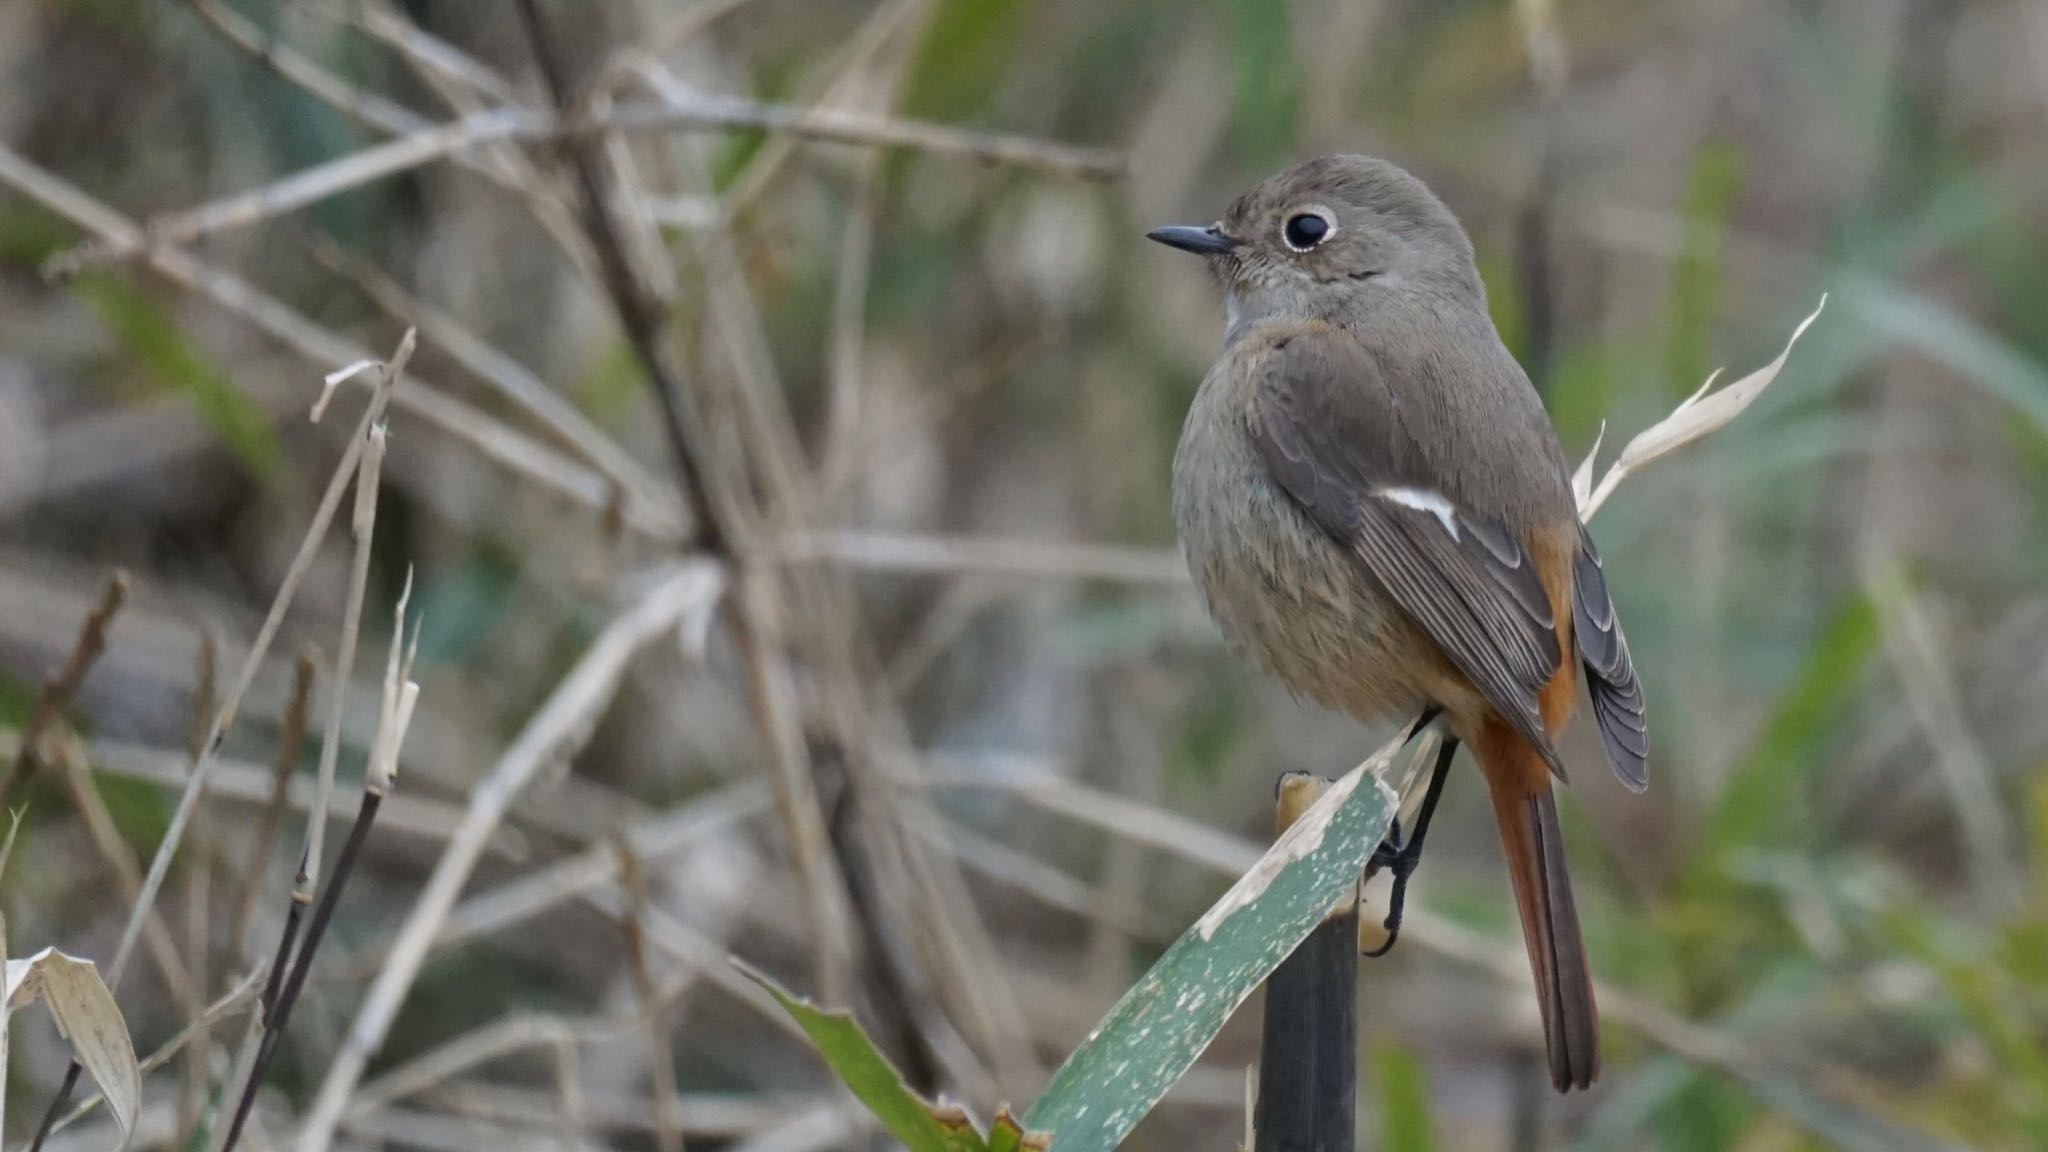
(1398, 857)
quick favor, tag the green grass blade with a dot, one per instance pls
(852, 1056)
(1762, 793)
(156, 344)
(1403, 1101)
(1164, 1022)
(1938, 331)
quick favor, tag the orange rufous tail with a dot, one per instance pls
(1522, 803)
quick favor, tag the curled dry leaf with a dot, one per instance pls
(1701, 414)
(87, 1016)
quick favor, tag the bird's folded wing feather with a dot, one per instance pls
(1610, 675)
(1329, 431)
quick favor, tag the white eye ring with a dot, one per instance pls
(1322, 217)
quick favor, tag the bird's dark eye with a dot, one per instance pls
(1305, 230)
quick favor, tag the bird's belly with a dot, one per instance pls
(1288, 596)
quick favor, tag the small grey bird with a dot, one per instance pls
(1375, 507)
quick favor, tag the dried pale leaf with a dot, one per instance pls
(349, 372)
(1582, 480)
(88, 1017)
(336, 379)
(1700, 415)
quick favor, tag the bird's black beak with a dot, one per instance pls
(1208, 241)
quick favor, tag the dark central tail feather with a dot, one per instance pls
(1534, 845)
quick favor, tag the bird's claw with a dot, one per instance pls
(1397, 856)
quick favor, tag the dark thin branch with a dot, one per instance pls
(279, 998)
(637, 313)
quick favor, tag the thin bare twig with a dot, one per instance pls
(920, 897)
(429, 55)
(62, 685)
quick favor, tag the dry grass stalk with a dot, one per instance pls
(504, 375)
(224, 718)
(772, 693)
(363, 527)
(661, 1068)
(291, 739)
(445, 1061)
(396, 705)
(295, 192)
(57, 691)
(555, 732)
(427, 144)
(716, 1116)
(503, 165)
(199, 894)
(993, 557)
(251, 784)
(718, 500)
(919, 892)
(517, 901)
(74, 763)
(643, 323)
(317, 344)
(572, 1117)
(1912, 645)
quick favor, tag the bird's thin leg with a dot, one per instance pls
(1390, 845)
(1400, 857)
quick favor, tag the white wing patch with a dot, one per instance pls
(1424, 500)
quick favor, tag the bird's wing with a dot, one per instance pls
(1329, 431)
(1610, 676)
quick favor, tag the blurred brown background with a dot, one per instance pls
(1836, 603)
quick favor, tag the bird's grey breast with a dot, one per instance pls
(1280, 589)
